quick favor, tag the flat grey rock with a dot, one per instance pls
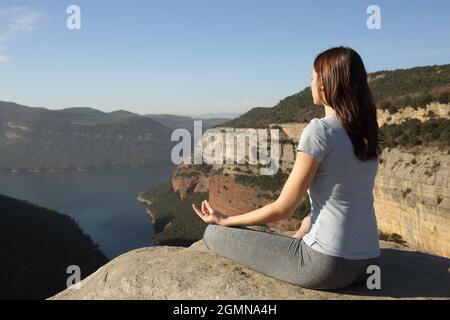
(166, 272)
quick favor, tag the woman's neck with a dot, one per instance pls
(329, 111)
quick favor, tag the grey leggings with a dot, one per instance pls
(285, 258)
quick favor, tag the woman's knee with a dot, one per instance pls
(209, 235)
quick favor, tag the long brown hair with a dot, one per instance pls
(342, 73)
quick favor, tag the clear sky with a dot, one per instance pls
(198, 56)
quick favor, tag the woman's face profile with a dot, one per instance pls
(315, 86)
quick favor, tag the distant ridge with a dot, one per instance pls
(40, 139)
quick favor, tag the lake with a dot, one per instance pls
(104, 203)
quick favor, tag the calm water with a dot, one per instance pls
(102, 202)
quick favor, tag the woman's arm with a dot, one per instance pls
(266, 214)
(290, 198)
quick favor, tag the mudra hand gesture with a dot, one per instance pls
(208, 214)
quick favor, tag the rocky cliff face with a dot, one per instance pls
(411, 195)
(166, 272)
(233, 198)
(423, 114)
(186, 179)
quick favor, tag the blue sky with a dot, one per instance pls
(197, 56)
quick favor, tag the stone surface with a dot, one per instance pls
(165, 272)
(439, 109)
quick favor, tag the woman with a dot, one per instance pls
(337, 161)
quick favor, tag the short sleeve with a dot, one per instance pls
(313, 140)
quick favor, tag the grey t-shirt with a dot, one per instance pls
(343, 221)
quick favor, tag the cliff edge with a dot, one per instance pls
(167, 273)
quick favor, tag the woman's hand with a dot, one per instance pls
(208, 214)
(299, 234)
(304, 228)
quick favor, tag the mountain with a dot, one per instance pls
(36, 247)
(392, 90)
(83, 111)
(78, 138)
